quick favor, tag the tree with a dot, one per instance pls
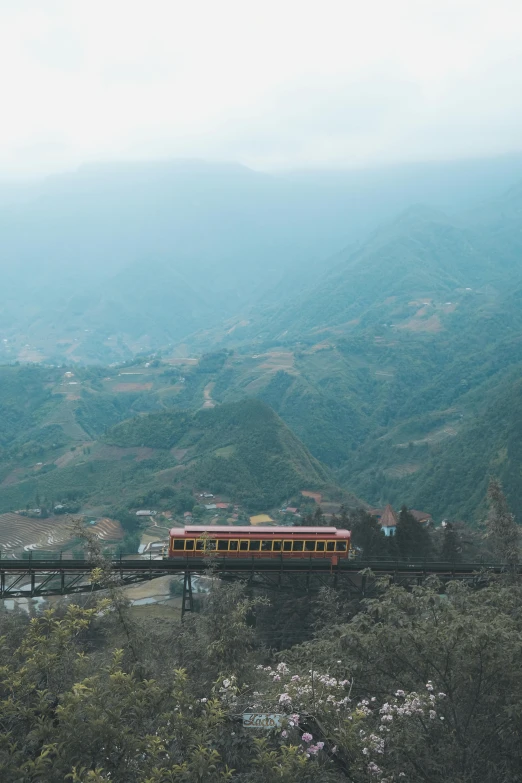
(451, 551)
(367, 534)
(459, 650)
(413, 538)
(502, 529)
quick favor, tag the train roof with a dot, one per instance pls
(242, 529)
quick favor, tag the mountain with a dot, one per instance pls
(383, 365)
(199, 242)
(454, 480)
(54, 450)
(243, 450)
(422, 258)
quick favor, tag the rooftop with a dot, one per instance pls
(239, 529)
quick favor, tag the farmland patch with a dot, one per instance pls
(131, 387)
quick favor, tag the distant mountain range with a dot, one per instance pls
(396, 364)
(103, 263)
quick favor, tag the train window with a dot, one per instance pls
(330, 546)
(222, 546)
(298, 546)
(211, 544)
(320, 546)
(200, 544)
(178, 544)
(310, 546)
(233, 545)
(287, 546)
(277, 546)
(340, 546)
(255, 546)
(189, 544)
(243, 546)
(266, 546)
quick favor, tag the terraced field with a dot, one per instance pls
(108, 530)
(20, 532)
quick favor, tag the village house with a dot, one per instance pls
(388, 518)
(388, 521)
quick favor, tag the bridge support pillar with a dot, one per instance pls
(187, 604)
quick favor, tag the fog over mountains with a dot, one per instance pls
(112, 260)
(376, 312)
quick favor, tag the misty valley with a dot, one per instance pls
(201, 348)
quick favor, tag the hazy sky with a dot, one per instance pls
(269, 83)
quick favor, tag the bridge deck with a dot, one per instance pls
(35, 576)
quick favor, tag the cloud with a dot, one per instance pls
(272, 84)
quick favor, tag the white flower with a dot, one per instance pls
(226, 683)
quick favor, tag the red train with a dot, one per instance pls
(232, 541)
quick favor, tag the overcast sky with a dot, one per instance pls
(268, 83)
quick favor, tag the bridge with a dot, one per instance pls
(36, 575)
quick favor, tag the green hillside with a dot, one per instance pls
(454, 480)
(241, 449)
(395, 353)
(381, 368)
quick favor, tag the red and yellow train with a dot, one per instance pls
(275, 541)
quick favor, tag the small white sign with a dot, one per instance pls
(262, 720)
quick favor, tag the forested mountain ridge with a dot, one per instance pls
(382, 368)
(402, 345)
(57, 449)
(210, 240)
(422, 257)
(243, 450)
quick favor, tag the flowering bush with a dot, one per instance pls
(367, 732)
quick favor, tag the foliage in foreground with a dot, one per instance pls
(405, 687)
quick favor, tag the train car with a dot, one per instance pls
(276, 541)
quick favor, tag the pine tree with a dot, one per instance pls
(319, 520)
(344, 519)
(413, 538)
(367, 534)
(451, 551)
(502, 529)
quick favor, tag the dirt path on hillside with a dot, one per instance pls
(207, 394)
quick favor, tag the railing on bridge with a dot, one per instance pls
(40, 573)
